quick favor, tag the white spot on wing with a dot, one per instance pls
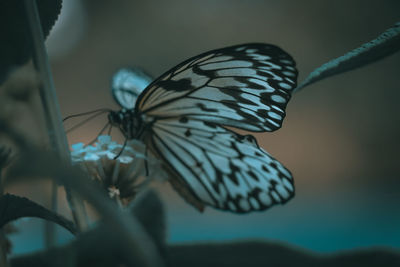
(285, 61)
(263, 84)
(227, 64)
(264, 198)
(273, 123)
(260, 57)
(285, 86)
(274, 115)
(225, 82)
(244, 205)
(270, 65)
(251, 50)
(277, 108)
(278, 99)
(241, 48)
(275, 196)
(288, 73)
(237, 72)
(284, 171)
(254, 203)
(287, 184)
(282, 191)
(222, 191)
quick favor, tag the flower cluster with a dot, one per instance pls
(123, 171)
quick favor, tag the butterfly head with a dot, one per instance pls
(127, 121)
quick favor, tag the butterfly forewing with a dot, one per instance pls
(246, 86)
(221, 168)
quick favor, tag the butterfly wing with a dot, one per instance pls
(245, 86)
(127, 84)
(219, 167)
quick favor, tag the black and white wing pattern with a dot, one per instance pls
(219, 167)
(244, 86)
(127, 84)
(182, 115)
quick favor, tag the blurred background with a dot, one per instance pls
(340, 138)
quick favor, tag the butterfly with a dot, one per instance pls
(182, 117)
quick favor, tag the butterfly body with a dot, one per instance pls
(129, 122)
(181, 116)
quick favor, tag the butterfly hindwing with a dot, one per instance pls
(245, 86)
(221, 168)
(127, 84)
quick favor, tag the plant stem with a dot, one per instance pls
(3, 237)
(50, 230)
(3, 249)
(52, 114)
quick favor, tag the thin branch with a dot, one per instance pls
(51, 109)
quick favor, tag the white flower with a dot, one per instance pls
(122, 174)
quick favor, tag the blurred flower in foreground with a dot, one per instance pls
(122, 177)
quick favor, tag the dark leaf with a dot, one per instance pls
(94, 248)
(16, 46)
(149, 211)
(14, 207)
(384, 45)
(261, 253)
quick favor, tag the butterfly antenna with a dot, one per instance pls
(85, 121)
(86, 113)
(100, 133)
(123, 147)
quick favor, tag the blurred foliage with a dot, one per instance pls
(14, 207)
(16, 46)
(101, 247)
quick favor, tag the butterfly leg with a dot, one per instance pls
(122, 149)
